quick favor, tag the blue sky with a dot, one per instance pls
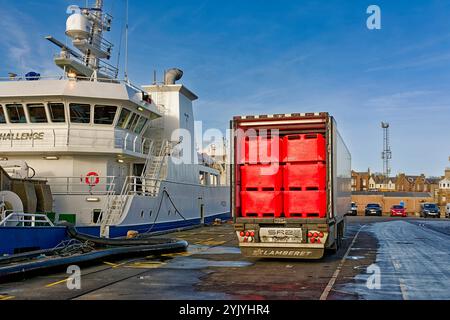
(259, 57)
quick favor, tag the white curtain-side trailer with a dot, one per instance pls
(291, 185)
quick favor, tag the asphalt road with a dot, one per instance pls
(382, 258)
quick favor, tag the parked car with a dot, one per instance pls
(398, 211)
(430, 210)
(353, 210)
(447, 211)
(373, 209)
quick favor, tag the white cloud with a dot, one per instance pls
(24, 48)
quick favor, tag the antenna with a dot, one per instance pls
(126, 43)
(386, 155)
(86, 27)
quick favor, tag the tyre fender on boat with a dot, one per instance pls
(10, 202)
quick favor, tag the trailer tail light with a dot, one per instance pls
(246, 236)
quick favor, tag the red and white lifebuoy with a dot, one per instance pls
(92, 179)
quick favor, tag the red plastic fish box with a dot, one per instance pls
(305, 204)
(303, 147)
(258, 149)
(304, 176)
(261, 203)
(262, 177)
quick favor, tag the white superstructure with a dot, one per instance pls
(109, 150)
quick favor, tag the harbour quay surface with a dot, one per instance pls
(382, 258)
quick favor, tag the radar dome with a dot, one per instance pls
(78, 26)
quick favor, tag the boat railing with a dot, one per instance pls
(22, 77)
(136, 186)
(85, 185)
(20, 219)
(77, 137)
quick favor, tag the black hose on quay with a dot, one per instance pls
(44, 266)
(116, 248)
(73, 233)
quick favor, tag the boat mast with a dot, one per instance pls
(126, 44)
(96, 38)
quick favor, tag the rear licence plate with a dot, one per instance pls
(286, 235)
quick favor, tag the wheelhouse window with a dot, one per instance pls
(203, 178)
(133, 120)
(104, 114)
(2, 115)
(215, 180)
(124, 115)
(37, 113)
(80, 113)
(16, 113)
(57, 113)
(140, 125)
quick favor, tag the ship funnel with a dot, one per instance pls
(172, 75)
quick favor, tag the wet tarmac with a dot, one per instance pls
(382, 258)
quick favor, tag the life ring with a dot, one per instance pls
(89, 180)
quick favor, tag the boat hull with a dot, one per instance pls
(23, 239)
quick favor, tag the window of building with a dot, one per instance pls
(124, 115)
(140, 125)
(132, 122)
(16, 113)
(2, 115)
(104, 114)
(57, 113)
(37, 113)
(80, 113)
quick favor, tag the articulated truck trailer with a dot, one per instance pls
(290, 185)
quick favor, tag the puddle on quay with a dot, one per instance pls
(360, 267)
(221, 250)
(194, 263)
(184, 260)
(355, 257)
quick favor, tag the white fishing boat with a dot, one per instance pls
(113, 154)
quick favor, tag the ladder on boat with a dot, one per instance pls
(155, 170)
(148, 184)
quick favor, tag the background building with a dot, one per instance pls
(360, 180)
(443, 192)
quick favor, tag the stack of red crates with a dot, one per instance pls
(283, 177)
(304, 178)
(261, 177)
